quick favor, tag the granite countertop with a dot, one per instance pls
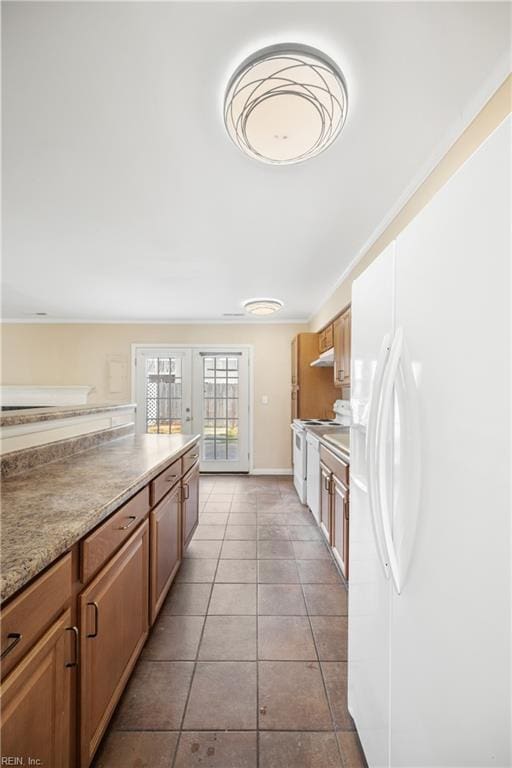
(47, 510)
(334, 437)
(32, 415)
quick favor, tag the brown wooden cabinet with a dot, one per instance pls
(325, 339)
(36, 700)
(342, 356)
(190, 504)
(325, 501)
(113, 612)
(166, 548)
(312, 389)
(340, 523)
(334, 505)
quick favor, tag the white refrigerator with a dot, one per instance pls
(429, 657)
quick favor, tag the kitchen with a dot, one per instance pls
(256, 472)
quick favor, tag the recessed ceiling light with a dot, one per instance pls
(262, 306)
(285, 103)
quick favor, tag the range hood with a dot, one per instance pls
(326, 360)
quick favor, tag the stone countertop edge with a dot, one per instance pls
(320, 431)
(50, 413)
(41, 554)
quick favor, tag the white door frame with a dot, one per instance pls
(135, 347)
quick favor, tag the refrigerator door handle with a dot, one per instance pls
(371, 453)
(383, 466)
(399, 380)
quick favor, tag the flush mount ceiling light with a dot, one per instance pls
(285, 103)
(262, 306)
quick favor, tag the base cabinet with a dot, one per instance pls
(325, 501)
(113, 612)
(340, 524)
(166, 548)
(190, 496)
(36, 702)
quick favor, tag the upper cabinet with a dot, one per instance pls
(341, 334)
(312, 389)
(325, 339)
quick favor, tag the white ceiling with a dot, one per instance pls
(124, 198)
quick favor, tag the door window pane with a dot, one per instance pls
(220, 408)
(164, 404)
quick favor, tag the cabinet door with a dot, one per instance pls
(165, 537)
(328, 337)
(339, 372)
(325, 501)
(295, 361)
(36, 701)
(347, 326)
(340, 524)
(114, 625)
(190, 496)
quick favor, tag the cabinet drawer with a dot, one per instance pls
(26, 618)
(165, 481)
(105, 540)
(336, 465)
(190, 458)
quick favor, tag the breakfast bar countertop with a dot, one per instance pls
(49, 509)
(14, 417)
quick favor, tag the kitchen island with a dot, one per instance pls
(90, 547)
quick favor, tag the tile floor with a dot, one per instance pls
(246, 666)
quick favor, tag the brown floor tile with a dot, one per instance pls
(326, 599)
(273, 532)
(311, 550)
(237, 550)
(137, 749)
(187, 600)
(242, 518)
(292, 697)
(281, 600)
(197, 570)
(275, 550)
(174, 638)
(209, 749)
(271, 518)
(240, 532)
(304, 533)
(218, 497)
(300, 518)
(330, 636)
(213, 518)
(335, 678)
(352, 756)
(210, 532)
(223, 696)
(233, 600)
(155, 697)
(214, 504)
(243, 503)
(298, 750)
(229, 638)
(277, 572)
(236, 571)
(318, 572)
(203, 548)
(285, 638)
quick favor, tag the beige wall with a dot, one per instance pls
(80, 353)
(494, 112)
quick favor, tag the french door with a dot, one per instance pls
(197, 390)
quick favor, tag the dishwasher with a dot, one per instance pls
(313, 474)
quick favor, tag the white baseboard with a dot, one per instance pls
(271, 471)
